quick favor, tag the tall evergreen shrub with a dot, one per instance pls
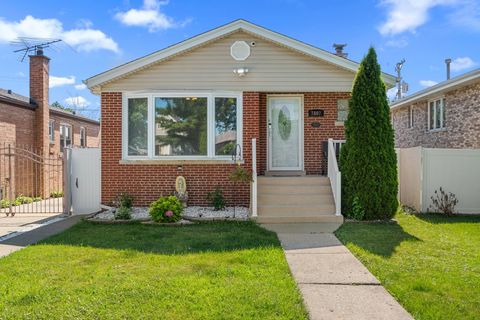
(368, 160)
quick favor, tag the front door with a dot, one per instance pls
(285, 133)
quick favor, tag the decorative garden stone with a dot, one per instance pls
(181, 190)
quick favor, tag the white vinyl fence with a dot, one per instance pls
(421, 171)
(82, 180)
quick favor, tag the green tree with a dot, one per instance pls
(57, 105)
(368, 160)
(185, 123)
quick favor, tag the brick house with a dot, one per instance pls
(171, 113)
(446, 115)
(31, 125)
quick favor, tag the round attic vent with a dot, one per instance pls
(240, 50)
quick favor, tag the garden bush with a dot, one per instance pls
(217, 199)
(367, 160)
(125, 200)
(123, 213)
(444, 202)
(56, 194)
(166, 209)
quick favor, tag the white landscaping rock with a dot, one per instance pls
(197, 213)
(237, 213)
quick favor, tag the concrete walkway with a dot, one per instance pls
(334, 284)
(24, 239)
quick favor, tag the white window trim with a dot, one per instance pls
(210, 95)
(442, 125)
(60, 134)
(51, 137)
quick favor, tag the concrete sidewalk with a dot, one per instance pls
(334, 284)
(24, 239)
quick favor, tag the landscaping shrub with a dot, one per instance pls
(21, 199)
(166, 209)
(443, 202)
(123, 213)
(357, 211)
(56, 194)
(125, 200)
(240, 174)
(216, 198)
(367, 160)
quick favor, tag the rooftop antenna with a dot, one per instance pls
(402, 86)
(34, 45)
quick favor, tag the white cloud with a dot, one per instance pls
(80, 86)
(149, 16)
(462, 63)
(83, 39)
(60, 81)
(427, 83)
(77, 102)
(408, 15)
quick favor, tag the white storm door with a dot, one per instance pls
(285, 133)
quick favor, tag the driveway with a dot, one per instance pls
(22, 222)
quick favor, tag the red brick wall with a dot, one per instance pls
(16, 124)
(146, 182)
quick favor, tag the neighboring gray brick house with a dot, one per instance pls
(446, 115)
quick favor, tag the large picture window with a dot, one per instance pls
(182, 126)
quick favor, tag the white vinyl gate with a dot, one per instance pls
(83, 182)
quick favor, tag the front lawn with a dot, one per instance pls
(205, 271)
(429, 263)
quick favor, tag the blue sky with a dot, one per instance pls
(103, 34)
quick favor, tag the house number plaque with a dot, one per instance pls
(315, 113)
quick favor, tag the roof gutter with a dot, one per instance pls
(438, 88)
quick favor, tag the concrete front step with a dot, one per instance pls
(303, 225)
(294, 189)
(295, 210)
(303, 181)
(299, 219)
(295, 199)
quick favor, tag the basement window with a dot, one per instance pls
(181, 126)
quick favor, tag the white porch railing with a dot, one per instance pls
(254, 178)
(334, 174)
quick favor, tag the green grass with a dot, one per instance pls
(205, 271)
(429, 263)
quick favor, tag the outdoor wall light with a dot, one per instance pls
(241, 72)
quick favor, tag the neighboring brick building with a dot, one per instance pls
(18, 115)
(446, 115)
(39, 132)
(169, 113)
